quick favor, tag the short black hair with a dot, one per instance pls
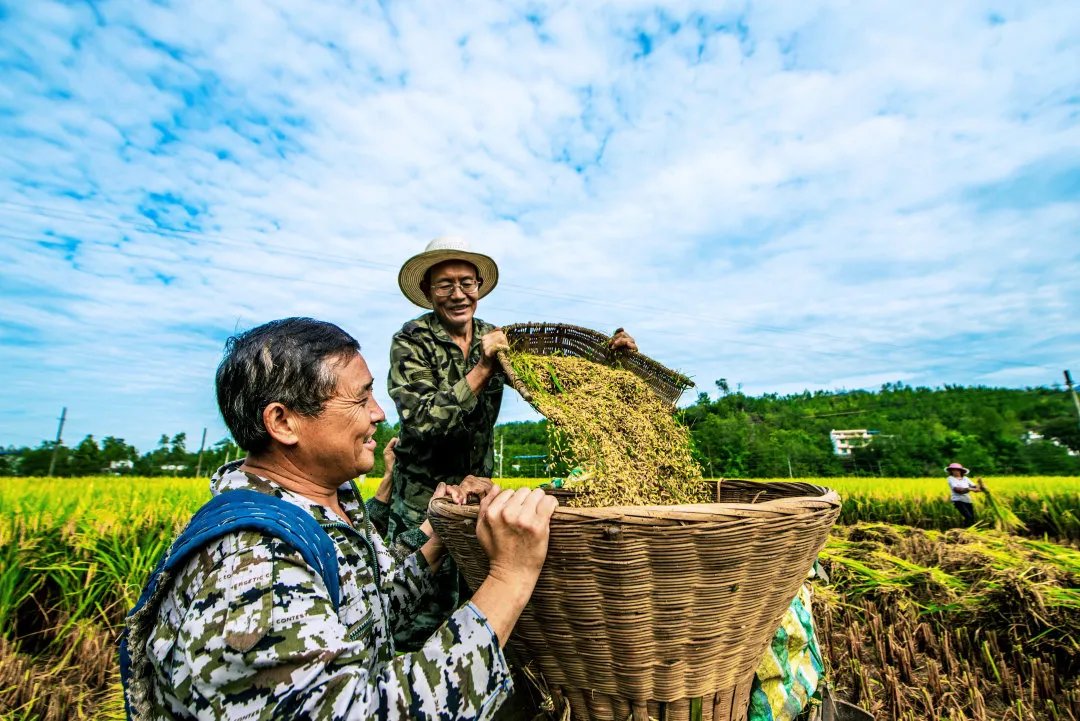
(289, 361)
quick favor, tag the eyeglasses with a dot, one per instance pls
(468, 287)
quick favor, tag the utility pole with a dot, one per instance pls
(502, 437)
(1076, 401)
(56, 446)
(202, 445)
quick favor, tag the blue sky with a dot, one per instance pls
(786, 195)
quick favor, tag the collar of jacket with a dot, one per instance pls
(432, 322)
(229, 477)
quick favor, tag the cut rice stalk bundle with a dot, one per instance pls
(1001, 516)
(997, 626)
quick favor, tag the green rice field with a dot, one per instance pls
(919, 621)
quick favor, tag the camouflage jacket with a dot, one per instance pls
(248, 631)
(447, 431)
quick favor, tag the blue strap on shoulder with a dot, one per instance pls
(244, 510)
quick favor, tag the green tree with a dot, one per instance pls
(86, 459)
(118, 456)
(9, 460)
(36, 461)
(383, 434)
(170, 458)
(1063, 429)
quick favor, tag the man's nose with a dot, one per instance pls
(377, 415)
(456, 291)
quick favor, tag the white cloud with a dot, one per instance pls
(786, 196)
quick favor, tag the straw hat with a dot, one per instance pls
(438, 251)
(953, 466)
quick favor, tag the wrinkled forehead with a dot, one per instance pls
(453, 269)
(350, 370)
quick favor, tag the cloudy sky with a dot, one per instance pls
(787, 195)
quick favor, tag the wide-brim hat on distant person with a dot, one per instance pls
(956, 466)
(438, 251)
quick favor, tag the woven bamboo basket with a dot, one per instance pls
(658, 612)
(572, 340)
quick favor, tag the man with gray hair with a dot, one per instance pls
(280, 601)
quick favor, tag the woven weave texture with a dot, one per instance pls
(572, 340)
(660, 611)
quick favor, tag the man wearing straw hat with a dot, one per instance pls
(447, 385)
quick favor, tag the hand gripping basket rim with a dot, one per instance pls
(653, 610)
(675, 515)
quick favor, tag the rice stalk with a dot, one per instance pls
(1001, 516)
(622, 437)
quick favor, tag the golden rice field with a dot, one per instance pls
(917, 624)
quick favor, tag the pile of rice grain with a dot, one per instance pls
(612, 426)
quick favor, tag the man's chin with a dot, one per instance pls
(456, 320)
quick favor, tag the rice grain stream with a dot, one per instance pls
(607, 422)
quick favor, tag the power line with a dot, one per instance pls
(181, 233)
(540, 292)
(208, 266)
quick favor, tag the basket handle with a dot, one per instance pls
(512, 377)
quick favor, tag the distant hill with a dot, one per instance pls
(917, 431)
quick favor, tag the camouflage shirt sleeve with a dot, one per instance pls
(378, 513)
(411, 583)
(262, 641)
(429, 407)
(407, 543)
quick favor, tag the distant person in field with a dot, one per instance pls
(961, 488)
(279, 600)
(447, 386)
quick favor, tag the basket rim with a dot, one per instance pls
(678, 380)
(666, 515)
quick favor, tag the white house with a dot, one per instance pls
(843, 442)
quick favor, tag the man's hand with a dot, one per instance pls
(434, 549)
(382, 494)
(622, 341)
(475, 485)
(512, 528)
(490, 345)
(493, 342)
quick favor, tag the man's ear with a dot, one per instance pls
(280, 423)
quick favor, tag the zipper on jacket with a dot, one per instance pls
(376, 575)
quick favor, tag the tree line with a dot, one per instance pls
(916, 431)
(114, 456)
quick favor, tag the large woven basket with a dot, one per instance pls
(656, 612)
(660, 612)
(572, 340)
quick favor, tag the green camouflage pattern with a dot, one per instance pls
(447, 432)
(247, 631)
(378, 513)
